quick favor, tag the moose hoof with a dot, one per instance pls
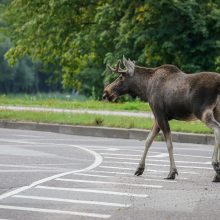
(139, 171)
(216, 178)
(215, 166)
(172, 175)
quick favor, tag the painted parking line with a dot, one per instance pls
(72, 201)
(33, 171)
(148, 170)
(139, 155)
(29, 166)
(86, 190)
(92, 175)
(163, 148)
(111, 183)
(155, 160)
(54, 211)
(130, 174)
(111, 172)
(97, 162)
(159, 165)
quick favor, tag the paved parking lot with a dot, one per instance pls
(53, 176)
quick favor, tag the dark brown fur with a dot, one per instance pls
(171, 94)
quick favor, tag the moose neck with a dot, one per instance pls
(139, 87)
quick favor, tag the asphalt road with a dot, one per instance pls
(53, 176)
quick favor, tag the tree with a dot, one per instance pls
(76, 37)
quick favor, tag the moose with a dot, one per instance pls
(171, 94)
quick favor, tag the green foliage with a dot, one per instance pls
(78, 37)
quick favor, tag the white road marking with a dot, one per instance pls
(73, 201)
(97, 162)
(148, 170)
(160, 165)
(155, 160)
(33, 171)
(28, 166)
(131, 175)
(54, 211)
(127, 155)
(111, 172)
(103, 182)
(164, 148)
(92, 175)
(159, 180)
(92, 191)
(139, 155)
(161, 155)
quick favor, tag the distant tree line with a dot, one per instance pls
(75, 38)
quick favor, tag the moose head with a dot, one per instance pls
(122, 84)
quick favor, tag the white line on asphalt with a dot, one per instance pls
(97, 162)
(92, 191)
(155, 160)
(28, 166)
(160, 165)
(103, 182)
(111, 172)
(148, 170)
(163, 148)
(54, 211)
(139, 155)
(92, 175)
(73, 201)
(130, 174)
(33, 171)
(127, 155)
(159, 180)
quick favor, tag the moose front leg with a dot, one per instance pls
(164, 125)
(155, 130)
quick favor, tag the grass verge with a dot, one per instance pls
(38, 101)
(99, 120)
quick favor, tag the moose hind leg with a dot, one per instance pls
(155, 130)
(212, 123)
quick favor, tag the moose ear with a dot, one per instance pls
(130, 65)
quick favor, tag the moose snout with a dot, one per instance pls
(105, 96)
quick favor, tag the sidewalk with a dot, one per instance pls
(139, 134)
(83, 111)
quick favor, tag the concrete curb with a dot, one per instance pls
(123, 133)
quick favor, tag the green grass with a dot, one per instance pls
(68, 103)
(99, 120)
